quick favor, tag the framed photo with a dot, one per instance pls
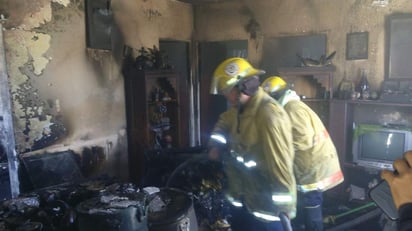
(357, 45)
(399, 46)
(99, 24)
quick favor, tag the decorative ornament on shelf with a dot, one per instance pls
(364, 85)
(323, 60)
(346, 88)
(152, 59)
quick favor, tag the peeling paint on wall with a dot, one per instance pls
(25, 14)
(35, 19)
(26, 60)
(17, 57)
(37, 46)
(28, 41)
(26, 48)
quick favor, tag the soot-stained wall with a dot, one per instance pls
(279, 18)
(67, 96)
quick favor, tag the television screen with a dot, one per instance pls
(377, 146)
(382, 145)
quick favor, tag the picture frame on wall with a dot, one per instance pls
(99, 24)
(357, 45)
(398, 46)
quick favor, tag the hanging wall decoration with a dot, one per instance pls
(357, 45)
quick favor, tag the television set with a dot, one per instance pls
(377, 146)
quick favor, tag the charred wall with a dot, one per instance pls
(66, 96)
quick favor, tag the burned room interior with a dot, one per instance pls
(105, 105)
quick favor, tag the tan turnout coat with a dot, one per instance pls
(262, 133)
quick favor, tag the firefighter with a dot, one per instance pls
(259, 160)
(316, 164)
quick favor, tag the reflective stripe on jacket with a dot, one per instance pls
(322, 185)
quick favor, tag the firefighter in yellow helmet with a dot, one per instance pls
(257, 132)
(316, 164)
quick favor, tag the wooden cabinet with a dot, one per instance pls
(340, 127)
(156, 114)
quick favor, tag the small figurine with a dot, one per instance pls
(168, 141)
(166, 97)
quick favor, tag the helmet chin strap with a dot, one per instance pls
(239, 104)
(277, 95)
(240, 108)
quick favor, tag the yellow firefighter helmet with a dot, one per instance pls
(273, 84)
(230, 72)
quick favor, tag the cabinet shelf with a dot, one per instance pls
(307, 70)
(173, 101)
(315, 100)
(378, 103)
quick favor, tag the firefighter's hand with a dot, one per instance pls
(401, 181)
(214, 153)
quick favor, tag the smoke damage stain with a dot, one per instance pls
(91, 160)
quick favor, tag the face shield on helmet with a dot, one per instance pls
(273, 84)
(230, 72)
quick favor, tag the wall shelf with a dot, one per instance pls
(378, 103)
(323, 75)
